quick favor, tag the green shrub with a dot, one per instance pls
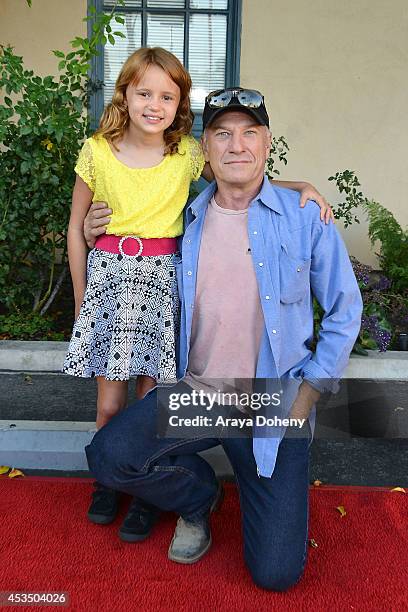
(42, 126)
(19, 326)
(279, 151)
(385, 294)
(382, 227)
(393, 253)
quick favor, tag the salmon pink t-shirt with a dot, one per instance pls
(227, 321)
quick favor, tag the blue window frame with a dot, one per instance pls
(203, 34)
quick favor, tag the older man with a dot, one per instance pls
(251, 262)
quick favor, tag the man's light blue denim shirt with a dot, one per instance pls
(295, 256)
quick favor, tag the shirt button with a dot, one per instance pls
(274, 331)
(188, 241)
(189, 273)
(267, 297)
(191, 305)
(261, 264)
(255, 232)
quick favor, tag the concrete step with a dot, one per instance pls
(52, 445)
(49, 357)
(47, 418)
(59, 446)
(57, 397)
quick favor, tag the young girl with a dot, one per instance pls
(140, 161)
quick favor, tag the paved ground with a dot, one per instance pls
(355, 461)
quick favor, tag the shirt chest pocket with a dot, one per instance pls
(294, 275)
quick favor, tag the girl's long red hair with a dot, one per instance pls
(115, 117)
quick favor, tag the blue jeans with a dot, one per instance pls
(168, 473)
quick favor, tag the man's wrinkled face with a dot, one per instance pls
(237, 148)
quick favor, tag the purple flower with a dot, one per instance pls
(381, 336)
(382, 284)
(361, 271)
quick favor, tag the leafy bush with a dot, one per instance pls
(279, 151)
(42, 126)
(393, 254)
(28, 327)
(382, 227)
(385, 293)
(347, 183)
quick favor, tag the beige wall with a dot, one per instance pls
(33, 32)
(334, 74)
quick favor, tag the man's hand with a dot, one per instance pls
(96, 221)
(307, 396)
(308, 192)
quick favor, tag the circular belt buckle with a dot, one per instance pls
(122, 240)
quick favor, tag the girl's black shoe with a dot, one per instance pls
(138, 522)
(104, 506)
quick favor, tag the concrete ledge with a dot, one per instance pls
(59, 445)
(360, 462)
(48, 445)
(23, 425)
(391, 365)
(32, 356)
(49, 357)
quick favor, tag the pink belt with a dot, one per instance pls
(134, 246)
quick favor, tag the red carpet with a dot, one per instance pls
(47, 545)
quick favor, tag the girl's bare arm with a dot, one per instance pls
(309, 192)
(306, 190)
(77, 249)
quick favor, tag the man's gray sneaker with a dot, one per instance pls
(192, 539)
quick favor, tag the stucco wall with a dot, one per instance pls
(335, 79)
(33, 32)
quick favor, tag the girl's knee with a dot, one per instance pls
(112, 398)
(106, 410)
(144, 384)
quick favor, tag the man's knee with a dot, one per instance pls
(102, 457)
(120, 443)
(278, 579)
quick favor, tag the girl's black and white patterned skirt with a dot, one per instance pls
(129, 319)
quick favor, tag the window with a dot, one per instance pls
(203, 34)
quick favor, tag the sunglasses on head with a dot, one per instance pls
(245, 97)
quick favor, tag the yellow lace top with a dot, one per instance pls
(146, 202)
